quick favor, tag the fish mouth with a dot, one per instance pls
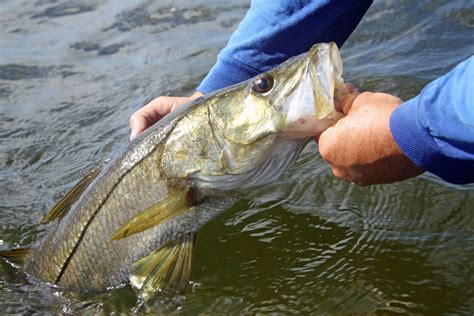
(311, 106)
(325, 70)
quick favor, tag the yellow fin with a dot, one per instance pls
(170, 207)
(63, 206)
(166, 270)
(16, 255)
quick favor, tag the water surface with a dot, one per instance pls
(71, 73)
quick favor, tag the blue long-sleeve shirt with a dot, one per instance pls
(435, 129)
(273, 31)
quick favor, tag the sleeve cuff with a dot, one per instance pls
(420, 147)
(229, 72)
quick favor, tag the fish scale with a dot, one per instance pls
(68, 234)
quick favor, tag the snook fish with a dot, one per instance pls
(134, 219)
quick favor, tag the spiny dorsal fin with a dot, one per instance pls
(63, 206)
(166, 270)
(16, 255)
(176, 204)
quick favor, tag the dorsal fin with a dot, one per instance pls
(63, 206)
(174, 205)
(166, 270)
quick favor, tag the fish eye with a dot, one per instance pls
(263, 84)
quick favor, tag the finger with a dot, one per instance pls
(155, 111)
(177, 102)
(147, 115)
(138, 124)
(345, 96)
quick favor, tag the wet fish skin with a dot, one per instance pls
(233, 139)
(78, 254)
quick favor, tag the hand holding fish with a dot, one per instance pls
(360, 146)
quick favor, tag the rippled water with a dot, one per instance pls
(72, 72)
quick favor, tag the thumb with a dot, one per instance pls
(344, 96)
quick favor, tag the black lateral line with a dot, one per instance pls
(93, 216)
(83, 232)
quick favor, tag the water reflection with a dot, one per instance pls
(376, 250)
(72, 73)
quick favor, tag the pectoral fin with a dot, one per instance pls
(16, 255)
(170, 207)
(166, 270)
(63, 206)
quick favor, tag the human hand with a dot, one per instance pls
(155, 110)
(360, 146)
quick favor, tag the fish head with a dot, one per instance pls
(307, 94)
(295, 100)
(259, 127)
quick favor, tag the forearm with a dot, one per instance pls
(273, 31)
(435, 130)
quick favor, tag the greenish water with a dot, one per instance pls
(71, 73)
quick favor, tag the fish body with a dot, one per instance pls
(135, 219)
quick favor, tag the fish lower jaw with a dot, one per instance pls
(305, 127)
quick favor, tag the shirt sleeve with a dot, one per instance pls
(273, 31)
(436, 128)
